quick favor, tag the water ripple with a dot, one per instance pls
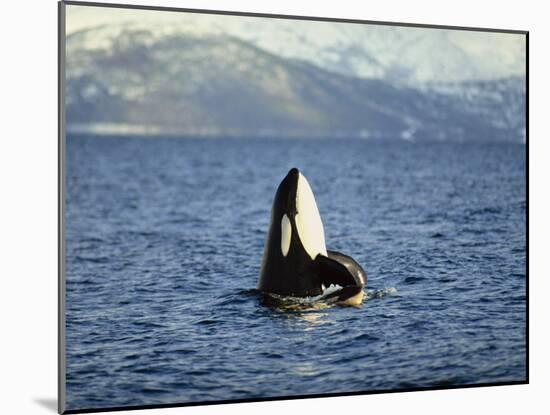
(164, 246)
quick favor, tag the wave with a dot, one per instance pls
(379, 293)
(324, 300)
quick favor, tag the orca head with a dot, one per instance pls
(295, 238)
(295, 212)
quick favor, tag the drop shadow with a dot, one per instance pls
(48, 403)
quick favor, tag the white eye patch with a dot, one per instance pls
(286, 233)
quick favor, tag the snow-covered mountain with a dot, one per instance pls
(500, 102)
(198, 77)
(401, 54)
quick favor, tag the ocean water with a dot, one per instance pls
(164, 239)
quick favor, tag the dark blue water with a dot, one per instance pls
(165, 239)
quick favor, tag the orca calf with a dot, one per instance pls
(296, 261)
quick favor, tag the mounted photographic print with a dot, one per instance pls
(261, 207)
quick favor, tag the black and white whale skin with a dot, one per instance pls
(296, 262)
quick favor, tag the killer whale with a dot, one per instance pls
(295, 261)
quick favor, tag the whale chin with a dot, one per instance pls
(355, 300)
(352, 296)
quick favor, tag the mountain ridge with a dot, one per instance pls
(213, 85)
(405, 54)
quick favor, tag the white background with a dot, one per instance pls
(28, 203)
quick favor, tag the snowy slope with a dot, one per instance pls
(407, 55)
(127, 79)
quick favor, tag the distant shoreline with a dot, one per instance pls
(143, 132)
